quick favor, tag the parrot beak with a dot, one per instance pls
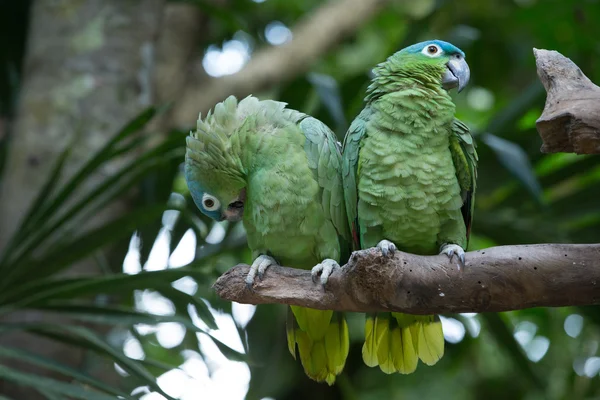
(457, 73)
(233, 213)
(235, 209)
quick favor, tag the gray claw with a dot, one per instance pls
(453, 249)
(387, 248)
(259, 266)
(325, 268)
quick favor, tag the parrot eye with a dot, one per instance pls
(432, 50)
(210, 203)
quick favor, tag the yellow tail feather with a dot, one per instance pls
(406, 358)
(369, 350)
(395, 342)
(322, 339)
(431, 341)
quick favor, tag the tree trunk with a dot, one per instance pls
(87, 71)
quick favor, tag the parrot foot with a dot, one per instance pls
(325, 268)
(453, 249)
(387, 248)
(259, 267)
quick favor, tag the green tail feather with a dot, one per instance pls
(397, 341)
(322, 339)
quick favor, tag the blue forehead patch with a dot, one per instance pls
(197, 193)
(448, 48)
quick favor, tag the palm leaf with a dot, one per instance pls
(47, 208)
(52, 386)
(39, 292)
(65, 255)
(86, 338)
(53, 365)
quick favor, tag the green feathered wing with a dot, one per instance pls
(322, 336)
(464, 156)
(396, 341)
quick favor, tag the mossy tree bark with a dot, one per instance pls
(88, 70)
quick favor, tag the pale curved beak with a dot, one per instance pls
(235, 210)
(233, 214)
(457, 73)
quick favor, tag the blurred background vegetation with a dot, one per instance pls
(141, 313)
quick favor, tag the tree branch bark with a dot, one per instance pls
(312, 37)
(496, 279)
(571, 119)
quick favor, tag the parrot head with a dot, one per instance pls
(437, 58)
(224, 202)
(213, 169)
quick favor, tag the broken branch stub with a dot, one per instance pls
(570, 122)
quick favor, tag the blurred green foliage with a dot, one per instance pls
(524, 196)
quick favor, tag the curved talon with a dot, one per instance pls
(314, 272)
(387, 248)
(325, 268)
(450, 250)
(259, 266)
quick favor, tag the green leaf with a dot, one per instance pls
(37, 204)
(86, 338)
(101, 157)
(116, 315)
(228, 352)
(37, 293)
(64, 256)
(329, 94)
(514, 158)
(43, 385)
(528, 97)
(150, 362)
(53, 365)
(181, 300)
(499, 329)
(48, 395)
(97, 199)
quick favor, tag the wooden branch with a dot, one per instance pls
(571, 119)
(495, 279)
(312, 37)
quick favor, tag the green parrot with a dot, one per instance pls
(409, 171)
(279, 171)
